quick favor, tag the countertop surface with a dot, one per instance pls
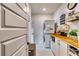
(68, 40)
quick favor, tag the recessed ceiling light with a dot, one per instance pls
(44, 9)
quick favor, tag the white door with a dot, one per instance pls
(13, 29)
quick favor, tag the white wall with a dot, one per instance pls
(30, 29)
(30, 32)
(37, 22)
(64, 10)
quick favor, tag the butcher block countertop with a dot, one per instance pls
(68, 40)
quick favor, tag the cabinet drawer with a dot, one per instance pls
(15, 8)
(13, 20)
(9, 34)
(20, 51)
(13, 45)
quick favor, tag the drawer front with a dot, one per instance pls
(13, 45)
(13, 20)
(9, 34)
(20, 51)
(14, 7)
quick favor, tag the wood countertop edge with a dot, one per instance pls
(67, 40)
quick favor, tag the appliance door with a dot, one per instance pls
(53, 44)
(47, 40)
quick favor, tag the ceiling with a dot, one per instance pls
(50, 8)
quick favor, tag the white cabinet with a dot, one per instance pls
(60, 47)
(63, 48)
(57, 46)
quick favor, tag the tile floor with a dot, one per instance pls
(42, 51)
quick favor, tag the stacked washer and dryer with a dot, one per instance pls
(49, 28)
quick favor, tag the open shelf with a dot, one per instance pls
(73, 17)
(73, 20)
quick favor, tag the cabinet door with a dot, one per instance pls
(60, 48)
(63, 48)
(57, 46)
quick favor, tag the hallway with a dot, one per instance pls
(42, 51)
(39, 17)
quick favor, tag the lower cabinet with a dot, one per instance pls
(60, 48)
(63, 48)
(57, 46)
